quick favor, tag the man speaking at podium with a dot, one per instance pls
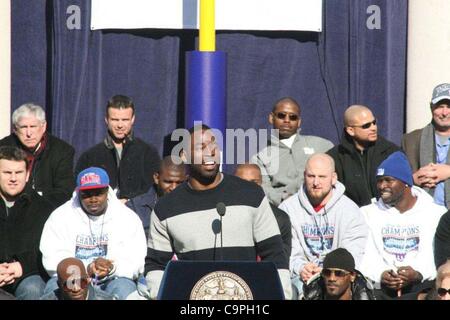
(185, 221)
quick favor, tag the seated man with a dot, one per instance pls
(101, 231)
(360, 152)
(251, 172)
(22, 217)
(323, 219)
(428, 148)
(339, 280)
(50, 159)
(402, 223)
(129, 161)
(283, 160)
(167, 178)
(75, 284)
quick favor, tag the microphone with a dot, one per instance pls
(221, 209)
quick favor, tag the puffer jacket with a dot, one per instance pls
(362, 289)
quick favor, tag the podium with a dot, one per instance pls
(220, 280)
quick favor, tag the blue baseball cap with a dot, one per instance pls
(92, 178)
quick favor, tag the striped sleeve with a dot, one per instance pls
(269, 245)
(159, 249)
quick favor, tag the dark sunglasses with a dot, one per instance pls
(442, 292)
(367, 125)
(69, 284)
(337, 273)
(282, 116)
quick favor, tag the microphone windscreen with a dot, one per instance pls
(221, 208)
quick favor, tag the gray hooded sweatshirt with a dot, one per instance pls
(340, 224)
(282, 167)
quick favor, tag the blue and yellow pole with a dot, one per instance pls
(206, 76)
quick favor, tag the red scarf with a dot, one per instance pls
(31, 156)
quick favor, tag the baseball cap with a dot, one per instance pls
(441, 92)
(92, 178)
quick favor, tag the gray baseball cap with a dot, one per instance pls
(441, 92)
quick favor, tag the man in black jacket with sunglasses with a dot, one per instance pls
(360, 153)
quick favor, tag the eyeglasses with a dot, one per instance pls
(367, 125)
(337, 273)
(282, 116)
(69, 284)
(442, 292)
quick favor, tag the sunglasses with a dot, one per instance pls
(337, 273)
(367, 125)
(69, 284)
(282, 116)
(442, 292)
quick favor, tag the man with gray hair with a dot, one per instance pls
(427, 148)
(50, 159)
(323, 219)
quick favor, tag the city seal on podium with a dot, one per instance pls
(221, 285)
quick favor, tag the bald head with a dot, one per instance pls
(323, 160)
(70, 267)
(73, 279)
(355, 111)
(360, 126)
(320, 178)
(286, 101)
(250, 172)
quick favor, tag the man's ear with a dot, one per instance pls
(334, 178)
(352, 276)
(350, 131)
(156, 177)
(271, 119)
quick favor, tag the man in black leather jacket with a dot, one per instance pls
(339, 280)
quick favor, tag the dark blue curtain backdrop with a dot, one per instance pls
(73, 72)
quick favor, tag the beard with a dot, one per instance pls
(317, 196)
(205, 177)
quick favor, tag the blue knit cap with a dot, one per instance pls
(398, 167)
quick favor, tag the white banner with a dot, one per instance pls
(293, 15)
